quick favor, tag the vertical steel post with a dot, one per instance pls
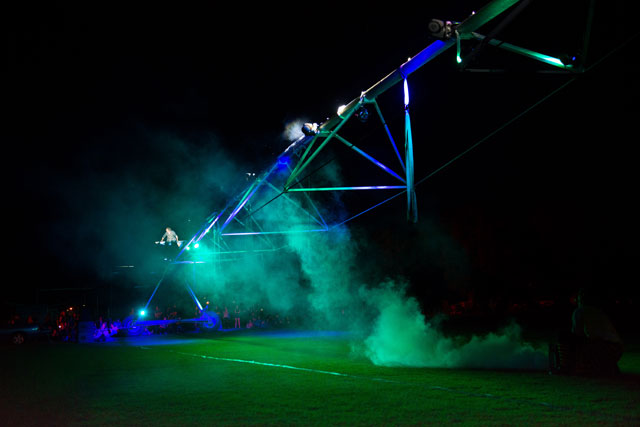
(412, 204)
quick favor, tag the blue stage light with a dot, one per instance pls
(283, 160)
(362, 114)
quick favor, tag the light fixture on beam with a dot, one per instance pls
(570, 61)
(441, 29)
(310, 129)
(362, 114)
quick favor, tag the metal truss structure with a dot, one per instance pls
(285, 200)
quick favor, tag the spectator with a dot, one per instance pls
(593, 346)
(225, 318)
(236, 321)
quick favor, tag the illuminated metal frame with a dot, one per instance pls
(307, 148)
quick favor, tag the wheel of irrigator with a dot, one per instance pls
(213, 322)
(131, 327)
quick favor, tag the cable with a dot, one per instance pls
(512, 120)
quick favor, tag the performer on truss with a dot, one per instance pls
(170, 237)
(170, 242)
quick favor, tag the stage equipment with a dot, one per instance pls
(278, 202)
(362, 114)
(310, 129)
(441, 29)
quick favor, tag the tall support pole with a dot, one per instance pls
(412, 204)
(587, 35)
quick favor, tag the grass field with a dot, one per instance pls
(287, 378)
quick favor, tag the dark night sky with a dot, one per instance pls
(107, 102)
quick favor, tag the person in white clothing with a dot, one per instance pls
(169, 236)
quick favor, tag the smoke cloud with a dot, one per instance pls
(113, 200)
(402, 336)
(293, 129)
(319, 279)
(389, 327)
(316, 277)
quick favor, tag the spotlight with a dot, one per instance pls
(570, 61)
(310, 129)
(197, 245)
(142, 313)
(341, 109)
(283, 160)
(362, 114)
(440, 29)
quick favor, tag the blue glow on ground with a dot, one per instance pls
(193, 337)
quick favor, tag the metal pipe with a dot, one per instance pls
(290, 200)
(370, 158)
(525, 52)
(248, 195)
(472, 23)
(304, 155)
(494, 32)
(370, 187)
(386, 128)
(255, 233)
(349, 113)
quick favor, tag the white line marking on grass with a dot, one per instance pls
(338, 374)
(598, 414)
(253, 362)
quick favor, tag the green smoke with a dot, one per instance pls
(316, 277)
(401, 336)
